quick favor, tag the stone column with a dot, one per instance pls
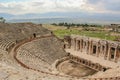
(97, 53)
(115, 55)
(81, 45)
(101, 50)
(109, 54)
(77, 45)
(74, 44)
(91, 52)
(85, 46)
(105, 49)
(89, 47)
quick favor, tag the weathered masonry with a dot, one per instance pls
(108, 50)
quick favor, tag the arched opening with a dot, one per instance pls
(94, 49)
(103, 48)
(83, 61)
(64, 46)
(118, 53)
(112, 51)
(81, 45)
(78, 45)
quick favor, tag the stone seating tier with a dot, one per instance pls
(5, 44)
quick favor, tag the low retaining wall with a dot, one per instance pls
(88, 63)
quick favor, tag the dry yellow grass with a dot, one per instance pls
(52, 27)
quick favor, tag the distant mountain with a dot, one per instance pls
(68, 20)
(6, 15)
(63, 16)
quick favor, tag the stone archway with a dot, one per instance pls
(94, 50)
(112, 51)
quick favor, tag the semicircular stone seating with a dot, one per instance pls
(37, 54)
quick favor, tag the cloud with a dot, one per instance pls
(113, 5)
(43, 6)
(104, 6)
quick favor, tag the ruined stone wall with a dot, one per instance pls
(108, 50)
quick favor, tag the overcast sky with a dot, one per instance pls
(42, 6)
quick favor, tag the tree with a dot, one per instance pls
(61, 24)
(2, 20)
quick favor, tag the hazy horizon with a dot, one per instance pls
(100, 11)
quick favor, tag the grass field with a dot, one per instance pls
(62, 31)
(102, 35)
